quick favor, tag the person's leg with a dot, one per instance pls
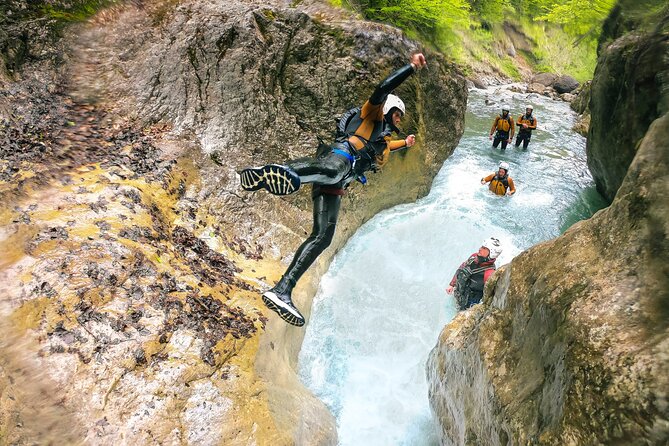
(504, 143)
(496, 141)
(326, 212)
(328, 169)
(526, 142)
(518, 139)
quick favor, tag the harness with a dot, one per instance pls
(504, 180)
(531, 121)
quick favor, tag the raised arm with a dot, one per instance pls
(395, 79)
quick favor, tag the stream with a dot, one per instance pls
(371, 329)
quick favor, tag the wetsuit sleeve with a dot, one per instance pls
(512, 187)
(397, 144)
(390, 83)
(489, 178)
(494, 125)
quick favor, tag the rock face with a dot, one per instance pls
(629, 85)
(132, 264)
(571, 343)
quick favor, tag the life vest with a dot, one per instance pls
(503, 124)
(525, 120)
(499, 185)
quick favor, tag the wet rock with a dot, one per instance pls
(545, 79)
(536, 88)
(567, 97)
(565, 84)
(624, 92)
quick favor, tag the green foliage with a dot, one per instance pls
(579, 18)
(433, 20)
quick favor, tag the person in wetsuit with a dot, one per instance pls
(500, 182)
(365, 145)
(502, 128)
(526, 123)
(470, 278)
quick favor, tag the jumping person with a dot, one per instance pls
(470, 278)
(526, 123)
(503, 129)
(500, 182)
(363, 144)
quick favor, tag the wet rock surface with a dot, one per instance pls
(629, 85)
(133, 264)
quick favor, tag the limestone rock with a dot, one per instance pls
(630, 81)
(567, 97)
(546, 79)
(582, 101)
(565, 84)
(536, 88)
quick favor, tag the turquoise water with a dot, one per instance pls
(372, 328)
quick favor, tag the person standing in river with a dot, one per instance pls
(526, 123)
(500, 182)
(470, 278)
(363, 144)
(502, 128)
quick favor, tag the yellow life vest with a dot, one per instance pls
(503, 124)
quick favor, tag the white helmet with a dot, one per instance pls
(494, 246)
(504, 165)
(505, 108)
(529, 106)
(393, 101)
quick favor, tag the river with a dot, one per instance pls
(372, 328)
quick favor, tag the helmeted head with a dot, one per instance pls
(504, 165)
(393, 111)
(528, 109)
(493, 246)
(505, 108)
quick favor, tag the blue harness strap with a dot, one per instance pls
(360, 177)
(346, 155)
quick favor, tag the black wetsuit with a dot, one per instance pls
(368, 142)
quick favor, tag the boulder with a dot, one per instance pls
(536, 88)
(567, 97)
(582, 101)
(546, 79)
(565, 84)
